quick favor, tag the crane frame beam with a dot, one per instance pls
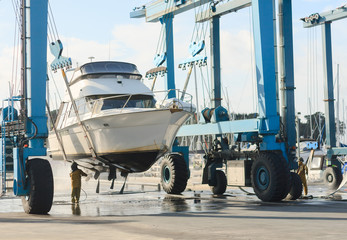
(156, 10)
(325, 19)
(220, 10)
(321, 18)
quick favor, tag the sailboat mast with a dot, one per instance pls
(338, 106)
(343, 120)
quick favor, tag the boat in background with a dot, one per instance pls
(119, 123)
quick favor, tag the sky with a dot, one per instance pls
(103, 30)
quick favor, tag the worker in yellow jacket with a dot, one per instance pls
(76, 175)
(302, 171)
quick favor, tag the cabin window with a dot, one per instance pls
(108, 75)
(61, 115)
(136, 101)
(81, 107)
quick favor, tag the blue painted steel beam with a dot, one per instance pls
(321, 18)
(238, 126)
(261, 126)
(328, 86)
(265, 71)
(215, 61)
(325, 19)
(37, 86)
(222, 9)
(337, 151)
(268, 123)
(265, 60)
(170, 62)
(287, 76)
(155, 10)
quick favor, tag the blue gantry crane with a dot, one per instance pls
(267, 170)
(332, 175)
(24, 130)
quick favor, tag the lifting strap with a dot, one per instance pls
(80, 123)
(56, 132)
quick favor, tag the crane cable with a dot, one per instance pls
(199, 33)
(52, 36)
(16, 50)
(162, 35)
(55, 37)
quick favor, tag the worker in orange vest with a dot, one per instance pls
(302, 171)
(76, 175)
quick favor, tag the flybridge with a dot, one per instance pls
(109, 67)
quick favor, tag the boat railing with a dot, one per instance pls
(166, 102)
(183, 100)
(95, 106)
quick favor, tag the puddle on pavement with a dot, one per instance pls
(138, 204)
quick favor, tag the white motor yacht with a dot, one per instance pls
(120, 118)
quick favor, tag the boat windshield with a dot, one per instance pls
(110, 75)
(109, 67)
(135, 101)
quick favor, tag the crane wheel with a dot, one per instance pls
(270, 177)
(221, 183)
(174, 174)
(332, 177)
(40, 179)
(296, 187)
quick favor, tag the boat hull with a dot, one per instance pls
(133, 140)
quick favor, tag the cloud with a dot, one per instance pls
(308, 61)
(128, 43)
(136, 42)
(6, 57)
(237, 65)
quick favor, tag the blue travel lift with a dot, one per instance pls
(332, 176)
(268, 169)
(24, 131)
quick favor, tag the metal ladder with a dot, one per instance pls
(6, 160)
(3, 159)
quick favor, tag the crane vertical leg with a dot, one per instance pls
(265, 72)
(35, 104)
(270, 163)
(328, 90)
(215, 61)
(170, 64)
(33, 178)
(36, 100)
(287, 76)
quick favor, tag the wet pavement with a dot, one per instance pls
(143, 212)
(193, 215)
(135, 202)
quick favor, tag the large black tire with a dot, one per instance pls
(296, 187)
(174, 174)
(221, 183)
(270, 177)
(40, 176)
(332, 177)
